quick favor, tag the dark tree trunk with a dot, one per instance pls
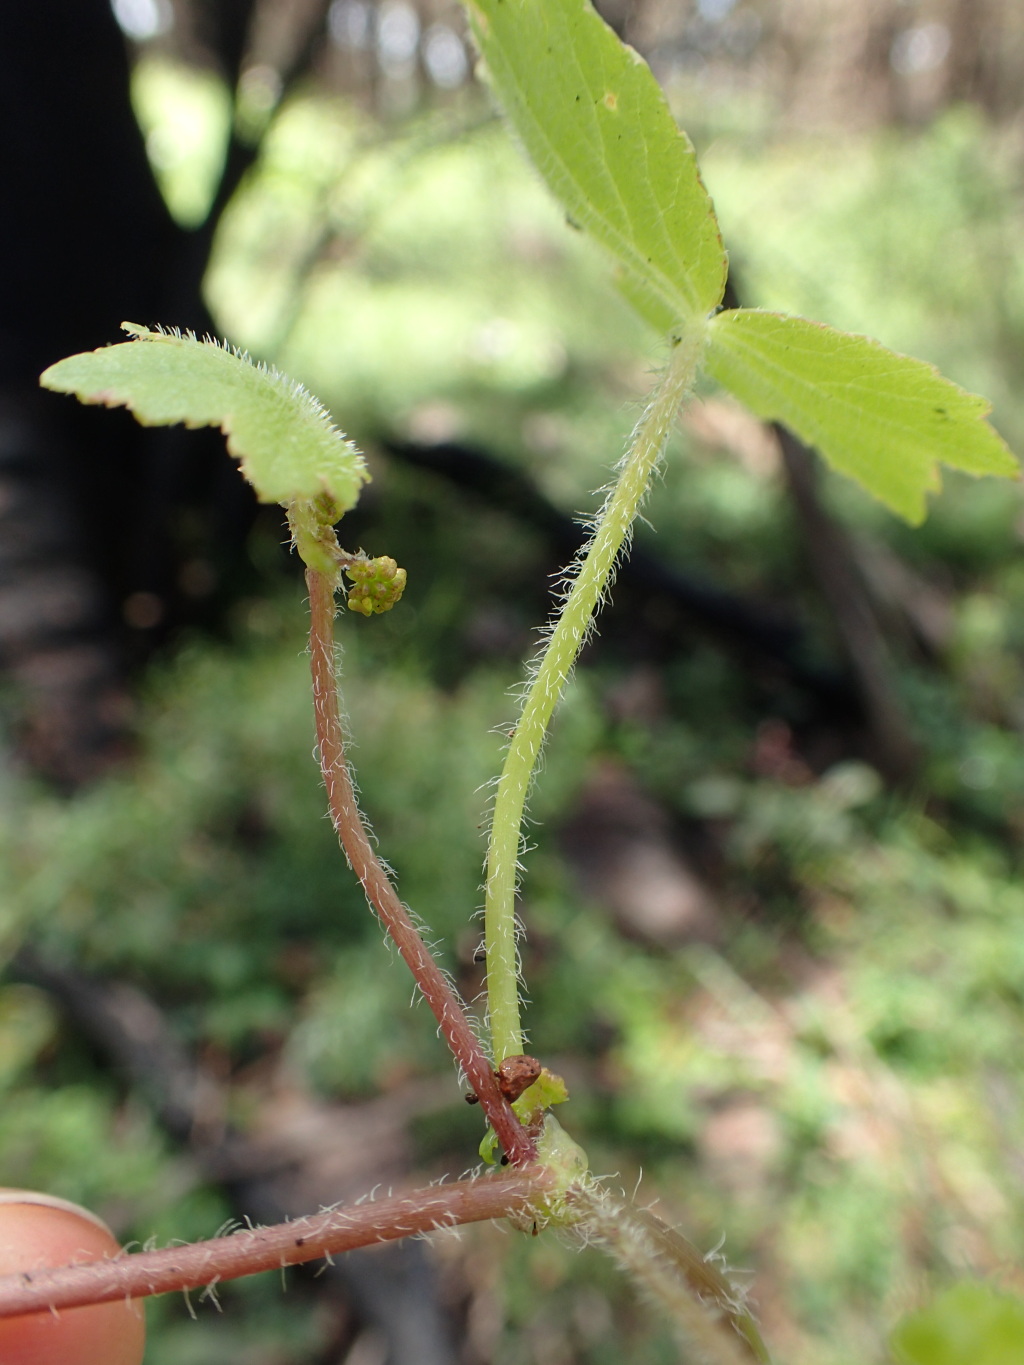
(87, 499)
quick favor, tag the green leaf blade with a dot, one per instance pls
(596, 124)
(883, 419)
(287, 446)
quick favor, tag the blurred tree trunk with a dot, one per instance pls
(87, 563)
(888, 739)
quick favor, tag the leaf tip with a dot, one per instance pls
(48, 378)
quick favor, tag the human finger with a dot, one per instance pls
(40, 1230)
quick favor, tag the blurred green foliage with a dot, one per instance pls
(185, 114)
(969, 1322)
(835, 1081)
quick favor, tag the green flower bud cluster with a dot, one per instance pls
(379, 583)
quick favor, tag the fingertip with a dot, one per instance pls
(38, 1231)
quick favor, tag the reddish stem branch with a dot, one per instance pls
(380, 892)
(251, 1250)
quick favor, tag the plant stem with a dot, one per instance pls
(362, 857)
(707, 1311)
(250, 1250)
(549, 678)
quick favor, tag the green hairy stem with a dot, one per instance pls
(707, 1311)
(552, 671)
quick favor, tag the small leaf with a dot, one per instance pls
(489, 1148)
(597, 126)
(881, 418)
(970, 1324)
(288, 447)
(547, 1089)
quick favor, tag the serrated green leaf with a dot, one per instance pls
(883, 419)
(971, 1324)
(596, 124)
(289, 450)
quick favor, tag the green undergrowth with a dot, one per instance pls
(837, 1087)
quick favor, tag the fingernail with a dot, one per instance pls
(50, 1201)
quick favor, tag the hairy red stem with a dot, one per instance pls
(250, 1250)
(380, 892)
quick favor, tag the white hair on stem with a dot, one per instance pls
(584, 588)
